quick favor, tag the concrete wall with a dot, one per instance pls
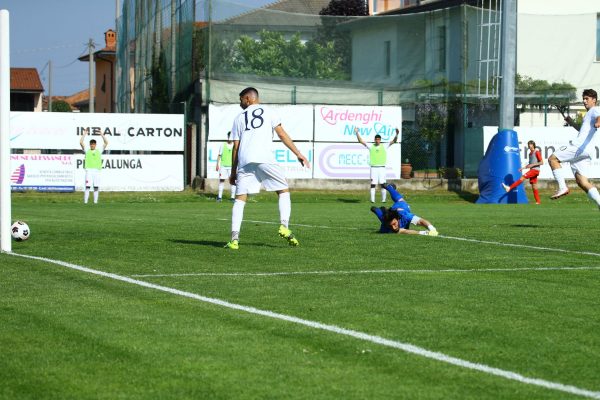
(457, 185)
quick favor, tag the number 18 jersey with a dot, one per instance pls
(254, 129)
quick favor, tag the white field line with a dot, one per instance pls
(373, 271)
(407, 347)
(526, 246)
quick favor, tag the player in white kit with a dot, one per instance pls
(254, 163)
(577, 152)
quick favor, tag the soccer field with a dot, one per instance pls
(136, 298)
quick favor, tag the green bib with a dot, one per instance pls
(378, 156)
(93, 159)
(226, 156)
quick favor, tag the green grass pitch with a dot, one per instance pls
(532, 309)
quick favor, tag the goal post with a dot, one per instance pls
(5, 205)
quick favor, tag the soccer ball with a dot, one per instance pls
(20, 231)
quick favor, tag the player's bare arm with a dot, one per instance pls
(289, 143)
(572, 123)
(104, 139)
(234, 162)
(81, 141)
(395, 139)
(597, 123)
(359, 138)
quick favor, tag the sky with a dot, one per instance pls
(58, 30)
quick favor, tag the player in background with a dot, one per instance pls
(398, 218)
(92, 164)
(224, 166)
(254, 163)
(377, 160)
(535, 161)
(577, 152)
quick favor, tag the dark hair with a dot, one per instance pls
(249, 90)
(388, 216)
(531, 142)
(590, 93)
(93, 141)
(377, 136)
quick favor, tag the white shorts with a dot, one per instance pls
(92, 178)
(251, 176)
(224, 172)
(580, 161)
(377, 175)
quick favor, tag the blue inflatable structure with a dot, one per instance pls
(501, 164)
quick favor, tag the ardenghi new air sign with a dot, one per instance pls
(62, 131)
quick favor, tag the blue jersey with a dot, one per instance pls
(400, 207)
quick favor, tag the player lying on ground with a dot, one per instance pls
(398, 218)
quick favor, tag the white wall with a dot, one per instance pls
(558, 7)
(558, 43)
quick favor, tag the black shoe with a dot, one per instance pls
(373, 209)
(392, 185)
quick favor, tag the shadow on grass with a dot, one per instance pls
(348, 200)
(220, 244)
(525, 226)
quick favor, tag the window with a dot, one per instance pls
(387, 57)
(597, 37)
(441, 48)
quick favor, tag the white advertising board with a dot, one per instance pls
(296, 120)
(42, 172)
(62, 131)
(548, 139)
(351, 161)
(283, 156)
(151, 172)
(337, 123)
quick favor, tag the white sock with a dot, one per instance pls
(383, 195)
(96, 196)
(233, 191)
(221, 184)
(594, 195)
(237, 215)
(285, 208)
(431, 227)
(560, 178)
(372, 195)
(86, 195)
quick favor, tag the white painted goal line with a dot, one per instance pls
(406, 347)
(526, 246)
(370, 271)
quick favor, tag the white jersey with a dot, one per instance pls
(587, 130)
(254, 129)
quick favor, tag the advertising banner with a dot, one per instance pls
(283, 156)
(337, 123)
(42, 172)
(124, 172)
(548, 140)
(351, 161)
(62, 131)
(296, 120)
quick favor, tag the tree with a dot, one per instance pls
(159, 95)
(346, 8)
(273, 55)
(334, 15)
(61, 106)
(538, 92)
